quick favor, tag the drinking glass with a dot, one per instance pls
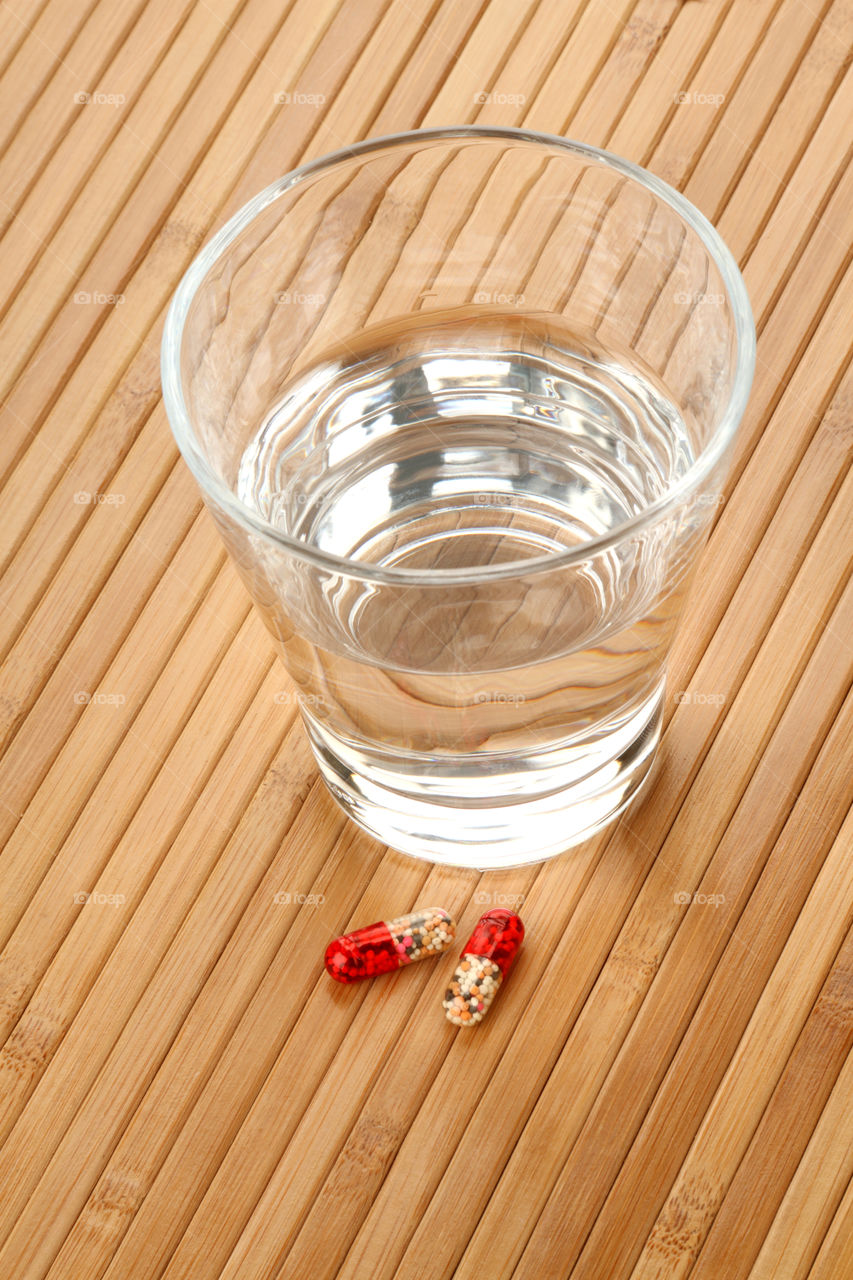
(461, 402)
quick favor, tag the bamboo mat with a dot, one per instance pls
(663, 1088)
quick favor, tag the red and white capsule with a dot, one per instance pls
(389, 944)
(483, 965)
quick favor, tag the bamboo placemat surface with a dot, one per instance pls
(663, 1089)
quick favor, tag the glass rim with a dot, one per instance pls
(213, 486)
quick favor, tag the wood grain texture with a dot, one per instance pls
(665, 1088)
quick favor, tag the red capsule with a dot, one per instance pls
(388, 945)
(497, 936)
(483, 965)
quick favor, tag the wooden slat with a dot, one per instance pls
(814, 1193)
(837, 1247)
(663, 1089)
(37, 42)
(778, 1144)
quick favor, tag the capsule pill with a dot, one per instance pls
(483, 965)
(389, 944)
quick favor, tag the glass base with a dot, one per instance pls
(491, 811)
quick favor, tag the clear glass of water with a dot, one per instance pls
(461, 403)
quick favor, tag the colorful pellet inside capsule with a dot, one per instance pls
(483, 965)
(389, 944)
